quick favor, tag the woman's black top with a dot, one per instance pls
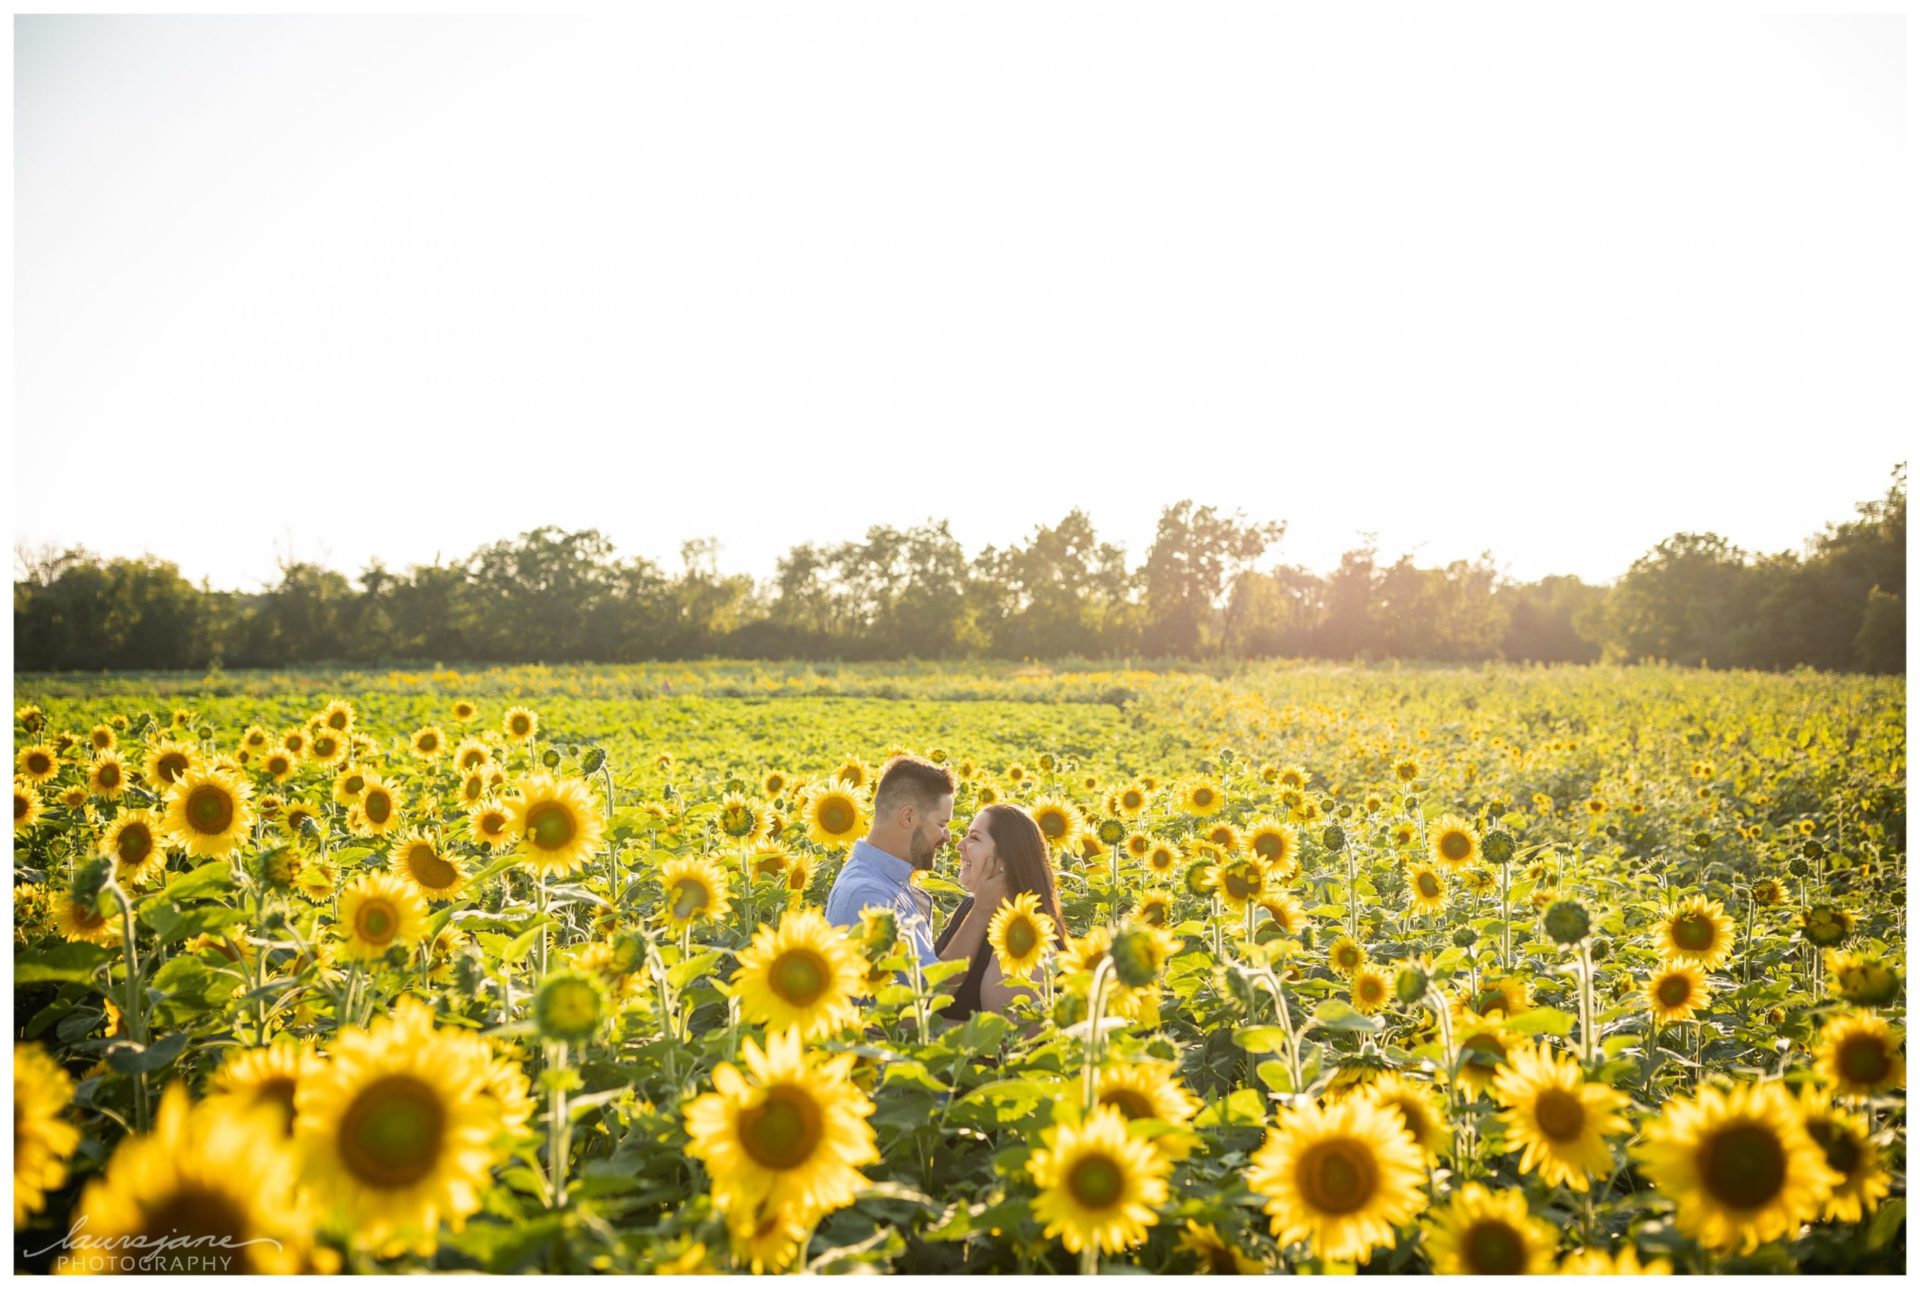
(966, 999)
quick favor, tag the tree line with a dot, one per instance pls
(556, 596)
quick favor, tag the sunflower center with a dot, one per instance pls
(519, 726)
(1096, 1181)
(689, 897)
(378, 807)
(135, 843)
(1560, 1114)
(392, 1133)
(1842, 1151)
(1204, 797)
(836, 816)
(39, 762)
(1372, 990)
(551, 825)
(171, 767)
(1455, 846)
(21, 804)
(1743, 1165)
(1693, 932)
(1494, 1249)
(1338, 1176)
(428, 742)
(1429, 886)
(109, 775)
(1346, 957)
(1413, 1114)
(1674, 991)
(338, 720)
(1131, 1102)
(1133, 801)
(1022, 938)
(1053, 824)
(195, 1216)
(210, 809)
(784, 1131)
(376, 922)
(799, 977)
(1864, 1059)
(431, 871)
(1240, 882)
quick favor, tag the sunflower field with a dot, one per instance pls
(1593, 970)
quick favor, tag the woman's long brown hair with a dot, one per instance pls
(1021, 847)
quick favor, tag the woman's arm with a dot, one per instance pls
(968, 935)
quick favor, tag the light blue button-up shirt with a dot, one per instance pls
(873, 878)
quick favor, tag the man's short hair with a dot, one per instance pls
(909, 781)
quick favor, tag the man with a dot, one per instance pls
(912, 811)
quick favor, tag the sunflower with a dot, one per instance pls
(279, 765)
(520, 724)
(1162, 856)
(1216, 1254)
(1201, 796)
(1495, 999)
(132, 842)
(255, 740)
(1556, 1119)
(328, 747)
(1346, 955)
(1452, 842)
(1155, 908)
(1826, 925)
(1851, 1152)
(1489, 1233)
(84, 924)
(1286, 910)
(338, 716)
(257, 1078)
(1147, 1089)
(1484, 1047)
(1129, 801)
(805, 974)
(1082, 958)
(764, 1240)
(1276, 844)
(1598, 1262)
(419, 859)
(208, 812)
(199, 1179)
(1864, 979)
(1427, 887)
(1099, 1187)
(471, 754)
(1676, 991)
(693, 890)
(42, 1140)
(742, 820)
(1697, 930)
(396, 1130)
(1020, 936)
(489, 824)
(557, 823)
(37, 764)
(1371, 989)
(378, 911)
(378, 811)
(1341, 1177)
(1240, 882)
(834, 814)
(1060, 822)
(428, 743)
(1739, 1166)
(348, 785)
(27, 806)
(1858, 1055)
(1420, 1111)
(107, 775)
(787, 1137)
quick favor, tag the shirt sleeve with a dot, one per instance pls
(847, 899)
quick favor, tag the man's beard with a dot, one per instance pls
(922, 860)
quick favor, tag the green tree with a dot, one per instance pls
(1196, 554)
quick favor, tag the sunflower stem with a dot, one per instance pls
(1090, 1259)
(1586, 1002)
(1096, 1013)
(132, 1011)
(559, 1130)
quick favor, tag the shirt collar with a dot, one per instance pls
(892, 867)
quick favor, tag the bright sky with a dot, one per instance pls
(339, 288)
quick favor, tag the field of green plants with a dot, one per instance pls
(1484, 971)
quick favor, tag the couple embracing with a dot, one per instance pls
(1002, 855)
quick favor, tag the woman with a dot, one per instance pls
(1002, 856)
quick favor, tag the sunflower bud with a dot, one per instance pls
(1812, 849)
(1136, 956)
(550, 758)
(593, 760)
(89, 880)
(469, 973)
(277, 869)
(1567, 922)
(1411, 805)
(569, 1006)
(1600, 949)
(1826, 925)
(1334, 838)
(1410, 985)
(1112, 832)
(1465, 937)
(1497, 846)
